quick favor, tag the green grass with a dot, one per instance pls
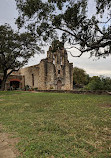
(58, 125)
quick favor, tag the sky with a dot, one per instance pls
(92, 66)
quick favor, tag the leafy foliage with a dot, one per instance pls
(80, 78)
(15, 50)
(99, 83)
(70, 17)
(57, 44)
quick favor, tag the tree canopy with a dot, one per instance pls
(99, 83)
(83, 81)
(15, 50)
(80, 77)
(87, 34)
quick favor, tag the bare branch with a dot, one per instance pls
(70, 33)
(75, 55)
(12, 71)
(105, 21)
(99, 29)
(72, 46)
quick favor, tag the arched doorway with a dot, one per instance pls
(0, 83)
(59, 85)
(14, 84)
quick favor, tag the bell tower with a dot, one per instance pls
(57, 55)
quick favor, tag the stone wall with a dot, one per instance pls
(50, 77)
(14, 77)
(31, 76)
(42, 75)
(98, 92)
(54, 72)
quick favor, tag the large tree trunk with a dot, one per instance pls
(4, 81)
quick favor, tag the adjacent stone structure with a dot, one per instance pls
(55, 72)
(14, 81)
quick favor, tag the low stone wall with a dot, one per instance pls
(99, 92)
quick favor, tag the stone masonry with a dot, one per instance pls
(53, 73)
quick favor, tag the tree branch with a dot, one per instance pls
(76, 55)
(105, 21)
(12, 71)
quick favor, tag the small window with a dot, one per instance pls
(58, 71)
(32, 79)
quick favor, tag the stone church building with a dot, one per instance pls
(55, 73)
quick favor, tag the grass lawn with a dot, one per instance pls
(57, 125)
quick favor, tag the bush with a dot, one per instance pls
(99, 83)
(27, 87)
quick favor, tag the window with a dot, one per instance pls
(58, 71)
(32, 79)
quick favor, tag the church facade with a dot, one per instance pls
(55, 73)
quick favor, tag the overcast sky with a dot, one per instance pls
(8, 14)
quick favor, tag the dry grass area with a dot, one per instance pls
(7, 144)
(54, 125)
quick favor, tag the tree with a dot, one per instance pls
(80, 78)
(99, 83)
(15, 50)
(95, 84)
(44, 18)
(106, 83)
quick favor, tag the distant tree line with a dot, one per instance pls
(82, 80)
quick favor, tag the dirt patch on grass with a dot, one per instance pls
(106, 105)
(1, 98)
(7, 145)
